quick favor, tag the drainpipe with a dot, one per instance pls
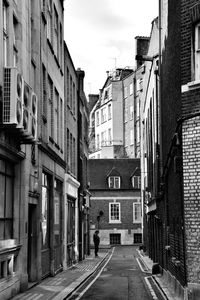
(159, 87)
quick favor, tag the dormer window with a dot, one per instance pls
(136, 182)
(114, 182)
(136, 179)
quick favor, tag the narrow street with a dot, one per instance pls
(120, 279)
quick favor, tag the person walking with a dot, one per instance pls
(96, 240)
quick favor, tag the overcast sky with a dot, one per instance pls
(100, 35)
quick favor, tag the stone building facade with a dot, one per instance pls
(39, 165)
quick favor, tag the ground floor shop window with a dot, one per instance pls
(71, 231)
(6, 199)
(115, 239)
(57, 211)
(137, 238)
(45, 210)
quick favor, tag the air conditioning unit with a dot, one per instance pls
(26, 107)
(33, 120)
(30, 103)
(13, 97)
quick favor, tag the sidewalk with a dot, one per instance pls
(159, 280)
(66, 282)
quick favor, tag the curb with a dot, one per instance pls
(67, 292)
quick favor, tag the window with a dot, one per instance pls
(109, 136)
(5, 34)
(49, 21)
(68, 151)
(137, 238)
(74, 157)
(125, 110)
(44, 92)
(125, 92)
(61, 45)
(136, 182)
(103, 138)
(137, 216)
(109, 112)
(56, 43)
(106, 95)
(74, 98)
(57, 211)
(98, 141)
(114, 213)
(71, 152)
(56, 117)
(115, 238)
(114, 182)
(137, 107)
(70, 92)
(6, 200)
(197, 52)
(50, 106)
(15, 37)
(45, 210)
(131, 88)
(97, 118)
(131, 137)
(67, 86)
(61, 123)
(103, 115)
(131, 112)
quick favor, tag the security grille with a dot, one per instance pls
(115, 239)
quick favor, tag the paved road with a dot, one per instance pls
(121, 279)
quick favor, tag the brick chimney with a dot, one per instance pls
(80, 75)
(142, 45)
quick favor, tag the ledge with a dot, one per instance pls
(190, 86)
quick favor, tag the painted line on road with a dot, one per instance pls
(150, 288)
(91, 283)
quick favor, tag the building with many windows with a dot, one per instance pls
(39, 214)
(71, 153)
(109, 115)
(115, 201)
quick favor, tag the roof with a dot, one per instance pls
(101, 169)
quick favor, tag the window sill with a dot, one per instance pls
(190, 86)
(115, 222)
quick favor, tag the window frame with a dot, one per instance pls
(118, 220)
(197, 51)
(137, 219)
(115, 178)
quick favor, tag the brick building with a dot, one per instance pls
(115, 201)
(190, 92)
(172, 193)
(83, 149)
(72, 184)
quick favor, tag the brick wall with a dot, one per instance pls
(126, 214)
(191, 176)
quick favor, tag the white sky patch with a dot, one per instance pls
(100, 34)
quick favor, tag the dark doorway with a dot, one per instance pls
(32, 244)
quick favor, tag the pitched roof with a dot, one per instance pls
(100, 169)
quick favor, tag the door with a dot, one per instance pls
(32, 244)
(71, 232)
(57, 225)
(45, 225)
